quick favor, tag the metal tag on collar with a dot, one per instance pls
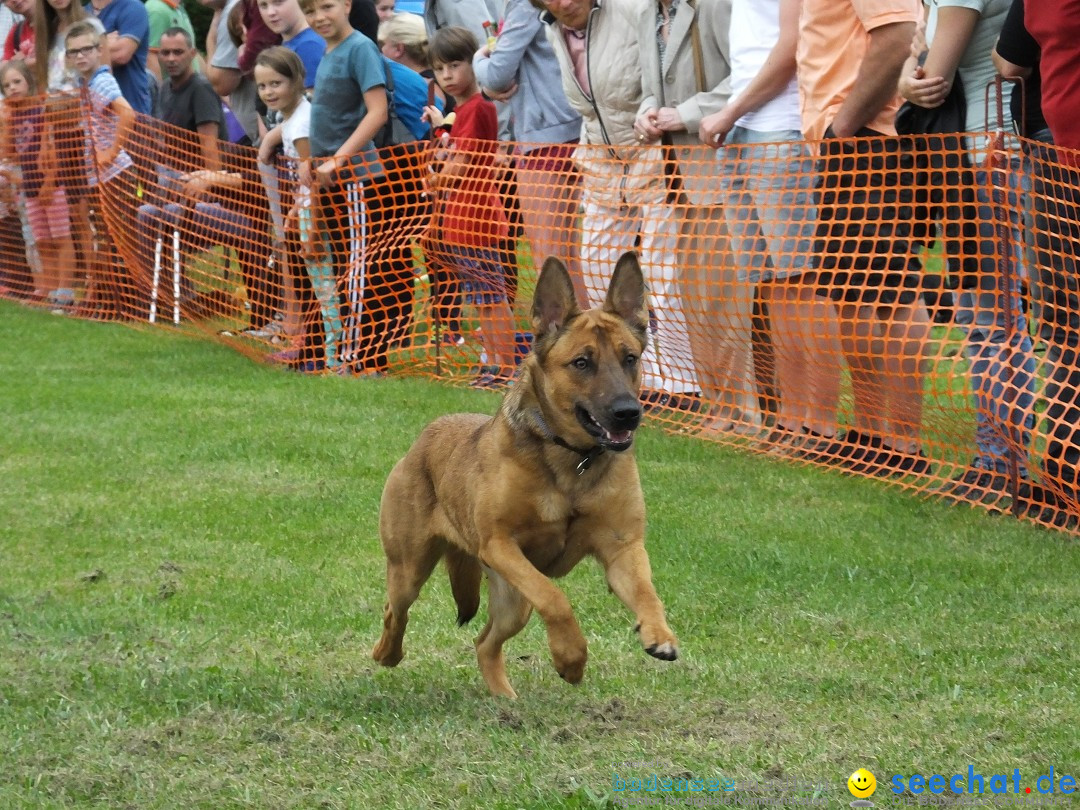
(587, 460)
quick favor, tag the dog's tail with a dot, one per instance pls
(465, 575)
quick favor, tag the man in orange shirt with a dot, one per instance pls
(849, 58)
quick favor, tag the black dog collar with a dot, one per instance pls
(587, 456)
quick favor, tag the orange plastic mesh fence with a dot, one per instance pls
(899, 308)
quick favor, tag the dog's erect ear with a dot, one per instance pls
(554, 303)
(627, 296)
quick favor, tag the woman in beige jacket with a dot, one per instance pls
(624, 195)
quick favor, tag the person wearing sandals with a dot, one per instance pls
(850, 55)
(768, 174)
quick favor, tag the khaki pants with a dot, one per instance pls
(607, 233)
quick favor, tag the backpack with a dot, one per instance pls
(394, 132)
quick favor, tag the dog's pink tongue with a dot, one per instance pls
(620, 437)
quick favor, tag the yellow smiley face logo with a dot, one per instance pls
(862, 784)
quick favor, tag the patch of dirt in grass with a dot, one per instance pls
(599, 720)
(152, 741)
(17, 634)
(509, 720)
(737, 726)
(168, 589)
(610, 714)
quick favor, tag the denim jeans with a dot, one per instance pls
(208, 224)
(1057, 282)
(769, 180)
(999, 346)
(205, 225)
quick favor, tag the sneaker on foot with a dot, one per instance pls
(286, 356)
(267, 331)
(493, 378)
(453, 339)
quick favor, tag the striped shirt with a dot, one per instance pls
(103, 91)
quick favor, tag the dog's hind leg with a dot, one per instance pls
(508, 612)
(406, 574)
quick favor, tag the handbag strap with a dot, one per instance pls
(699, 59)
(391, 108)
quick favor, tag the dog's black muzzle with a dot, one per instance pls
(612, 426)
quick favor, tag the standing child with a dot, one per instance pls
(109, 163)
(468, 210)
(285, 19)
(279, 79)
(348, 109)
(16, 242)
(27, 145)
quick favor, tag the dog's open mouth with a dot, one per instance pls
(616, 440)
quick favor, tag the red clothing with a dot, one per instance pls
(1055, 25)
(472, 214)
(257, 37)
(25, 45)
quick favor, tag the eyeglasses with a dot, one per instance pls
(84, 51)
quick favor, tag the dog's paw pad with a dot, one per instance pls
(665, 652)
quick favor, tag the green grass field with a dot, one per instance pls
(191, 583)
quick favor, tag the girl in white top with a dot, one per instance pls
(279, 80)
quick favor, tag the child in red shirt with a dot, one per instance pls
(468, 210)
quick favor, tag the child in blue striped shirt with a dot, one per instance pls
(109, 124)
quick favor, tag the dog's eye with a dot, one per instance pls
(631, 360)
(580, 363)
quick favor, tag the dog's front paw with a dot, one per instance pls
(571, 671)
(659, 643)
(570, 661)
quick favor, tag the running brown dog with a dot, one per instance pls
(526, 494)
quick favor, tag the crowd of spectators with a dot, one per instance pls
(777, 264)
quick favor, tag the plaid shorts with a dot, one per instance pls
(481, 271)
